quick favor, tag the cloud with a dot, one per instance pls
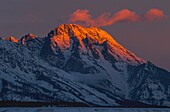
(124, 15)
(106, 19)
(81, 16)
(154, 14)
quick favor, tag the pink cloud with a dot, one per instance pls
(81, 16)
(106, 19)
(124, 15)
(154, 14)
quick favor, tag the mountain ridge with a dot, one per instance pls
(77, 64)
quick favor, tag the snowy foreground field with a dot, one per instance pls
(85, 109)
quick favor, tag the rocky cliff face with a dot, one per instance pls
(77, 64)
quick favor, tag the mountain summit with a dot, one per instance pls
(12, 39)
(92, 38)
(77, 64)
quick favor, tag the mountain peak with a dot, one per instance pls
(12, 39)
(64, 32)
(93, 33)
(30, 36)
(25, 40)
(98, 40)
(78, 64)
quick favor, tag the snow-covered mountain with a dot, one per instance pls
(77, 64)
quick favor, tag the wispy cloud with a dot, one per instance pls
(154, 14)
(106, 18)
(81, 16)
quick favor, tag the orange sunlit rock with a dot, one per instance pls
(30, 37)
(12, 39)
(63, 34)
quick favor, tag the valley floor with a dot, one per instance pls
(83, 109)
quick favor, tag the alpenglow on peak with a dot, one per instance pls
(61, 37)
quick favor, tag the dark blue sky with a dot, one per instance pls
(148, 40)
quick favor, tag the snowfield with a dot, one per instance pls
(77, 64)
(84, 109)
